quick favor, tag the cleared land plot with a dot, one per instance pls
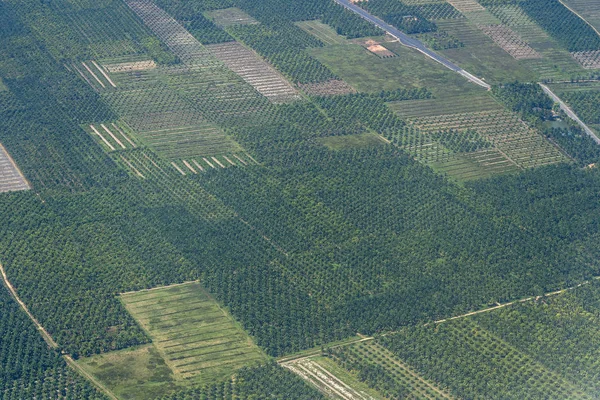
(375, 47)
(11, 179)
(198, 340)
(255, 71)
(328, 383)
(229, 17)
(510, 42)
(2, 86)
(130, 66)
(332, 87)
(321, 31)
(137, 373)
(588, 59)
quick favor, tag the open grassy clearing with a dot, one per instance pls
(134, 373)
(230, 17)
(11, 179)
(3, 87)
(332, 87)
(369, 73)
(352, 141)
(198, 340)
(255, 71)
(321, 31)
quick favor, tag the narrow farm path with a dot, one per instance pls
(570, 112)
(48, 339)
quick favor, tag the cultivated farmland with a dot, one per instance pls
(509, 41)
(11, 179)
(321, 31)
(198, 339)
(255, 71)
(230, 17)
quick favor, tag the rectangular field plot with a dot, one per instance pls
(94, 74)
(321, 31)
(229, 17)
(510, 41)
(255, 71)
(111, 135)
(520, 144)
(332, 87)
(11, 179)
(195, 165)
(588, 59)
(198, 340)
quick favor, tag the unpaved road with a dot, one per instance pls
(570, 113)
(408, 41)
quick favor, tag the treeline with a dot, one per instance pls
(29, 369)
(407, 18)
(527, 99)
(576, 143)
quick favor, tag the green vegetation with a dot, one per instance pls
(529, 100)
(576, 143)
(28, 368)
(198, 340)
(352, 141)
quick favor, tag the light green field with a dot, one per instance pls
(135, 373)
(445, 105)
(2, 86)
(321, 31)
(195, 342)
(198, 339)
(369, 73)
(230, 16)
(352, 141)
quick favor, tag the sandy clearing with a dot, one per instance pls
(104, 74)
(218, 162)
(94, 75)
(110, 146)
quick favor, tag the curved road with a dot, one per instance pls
(408, 41)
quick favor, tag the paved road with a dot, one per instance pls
(411, 42)
(570, 113)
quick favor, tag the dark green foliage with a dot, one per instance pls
(528, 99)
(28, 368)
(564, 26)
(406, 18)
(440, 40)
(268, 381)
(283, 46)
(576, 143)
(186, 10)
(586, 104)
(205, 31)
(462, 142)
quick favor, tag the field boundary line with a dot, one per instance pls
(570, 113)
(525, 300)
(288, 359)
(48, 339)
(580, 16)
(158, 287)
(73, 364)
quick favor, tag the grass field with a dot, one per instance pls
(2, 86)
(352, 141)
(229, 17)
(197, 338)
(321, 31)
(367, 72)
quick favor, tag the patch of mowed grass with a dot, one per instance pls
(370, 74)
(135, 373)
(321, 31)
(196, 337)
(352, 141)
